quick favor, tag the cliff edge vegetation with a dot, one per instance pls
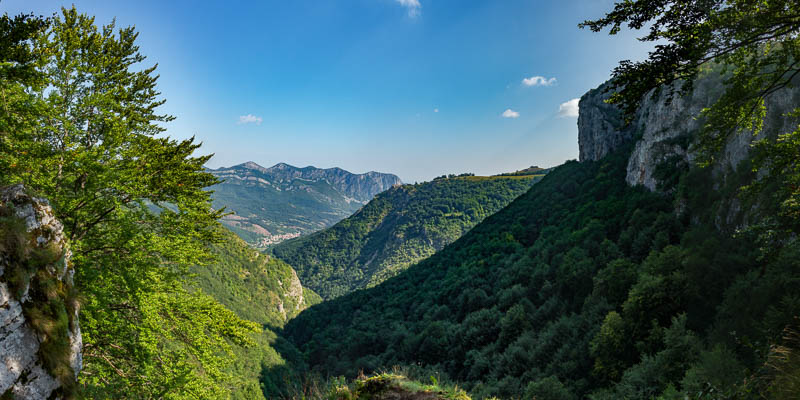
(79, 126)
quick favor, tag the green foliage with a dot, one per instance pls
(610, 348)
(530, 171)
(382, 386)
(401, 226)
(717, 371)
(258, 288)
(80, 127)
(255, 286)
(549, 388)
(581, 287)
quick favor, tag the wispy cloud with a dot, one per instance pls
(250, 119)
(569, 109)
(413, 7)
(436, 110)
(539, 81)
(509, 113)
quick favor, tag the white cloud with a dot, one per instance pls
(538, 81)
(436, 110)
(569, 109)
(509, 113)
(250, 119)
(413, 7)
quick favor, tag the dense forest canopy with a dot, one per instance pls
(581, 287)
(584, 287)
(261, 289)
(399, 227)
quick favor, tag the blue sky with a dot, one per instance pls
(418, 88)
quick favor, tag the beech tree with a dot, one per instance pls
(81, 127)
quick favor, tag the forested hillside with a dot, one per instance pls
(258, 288)
(582, 285)
(396, 229)
(270, 205)
(255, 286)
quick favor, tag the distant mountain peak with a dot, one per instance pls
(251, 165)
(282, 165)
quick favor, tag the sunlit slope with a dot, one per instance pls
(398, 228)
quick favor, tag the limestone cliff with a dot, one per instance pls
(40, 339)
(664, 129)
(601, 127)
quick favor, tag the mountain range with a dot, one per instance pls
(273, 204)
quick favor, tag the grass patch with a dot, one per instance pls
(392, 385)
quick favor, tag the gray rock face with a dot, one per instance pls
(22, 373)
(601, 127)
(293, 295)
(665, 129)
(660, 122)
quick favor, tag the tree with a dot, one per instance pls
(757, 45)
(87, 136)
(18, 71)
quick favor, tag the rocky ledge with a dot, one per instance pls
(40, 339)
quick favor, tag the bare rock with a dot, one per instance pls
(664, 128)
(601, 126)
(22, 374)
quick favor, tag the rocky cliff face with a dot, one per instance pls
(601, 127)
(40, 339)
(664, 130)
(293, 295)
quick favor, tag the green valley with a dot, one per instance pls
(398, 228)
(254, 285)
(662, 264)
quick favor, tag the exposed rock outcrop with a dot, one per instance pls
(295, 291)
(40, 357)
(293, 295)
(601, 126)
(664, 129)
